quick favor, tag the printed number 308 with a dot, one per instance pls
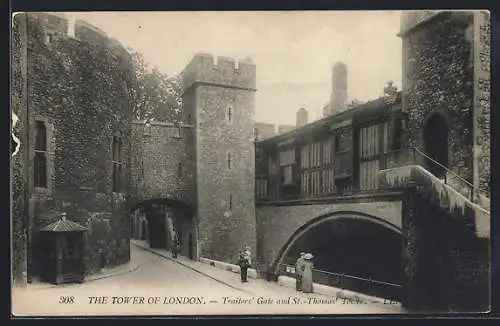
(67, 300)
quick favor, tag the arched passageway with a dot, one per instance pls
(162, 220)
(352, 253)
(435, 135)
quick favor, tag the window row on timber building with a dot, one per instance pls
(339, 154)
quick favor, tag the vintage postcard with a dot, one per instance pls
(249, 163)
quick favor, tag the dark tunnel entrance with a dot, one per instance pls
(353, 254)
(164, 222)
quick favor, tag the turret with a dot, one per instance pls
(302, 117)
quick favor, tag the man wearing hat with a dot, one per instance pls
(307, 280)
(299, 265)
(245, 261)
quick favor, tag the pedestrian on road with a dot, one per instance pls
(245, 261)
(248, 255)
(307, 279)
(175, 245)
(299, 266)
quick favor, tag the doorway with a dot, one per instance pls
(190, 246)
(144, 229)
(436, 145)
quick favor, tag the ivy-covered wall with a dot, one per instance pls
(79, 89)
(446, 265)
(438, 76)
(18, 176)
(482, 94)
(446, 254)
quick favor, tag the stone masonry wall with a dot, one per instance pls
(445, 245)
(446, 265)
(224, 229)
(482, 99)
(18, 162)
(220, 71)
(157, 152)
(222, 97)
(79, 90)
(439, 77)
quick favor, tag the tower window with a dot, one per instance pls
(228, 160)
(189, 119)
(147, 129)
(230, 201)
(117, 164)
(48, 38)
(180, 171)
(40, 161)
(177, 131)
(229, 114)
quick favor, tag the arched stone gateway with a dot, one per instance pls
(349, 243)
(157, 220)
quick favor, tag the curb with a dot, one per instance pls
(131, 268)
(190, 267)
(282, 280)
(252, 272)
(287, 281)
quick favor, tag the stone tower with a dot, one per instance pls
(302, 117)
(338, 97)
(219, 96)
(446, 89)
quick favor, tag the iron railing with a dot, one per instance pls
(452, 179)
(353, 283)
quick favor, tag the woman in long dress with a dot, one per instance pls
(307, 280)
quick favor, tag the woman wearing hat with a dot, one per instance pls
(299, 265)
(307, 281)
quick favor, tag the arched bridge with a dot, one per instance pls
(280, 225)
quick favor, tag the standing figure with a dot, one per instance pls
(307, 279)
(175, 245)
(299, 266)
(244, 261)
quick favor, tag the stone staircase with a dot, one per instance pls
(446, 249)
(444, 194)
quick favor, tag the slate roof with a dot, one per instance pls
(63, 225)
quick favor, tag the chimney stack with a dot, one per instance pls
(302, 117)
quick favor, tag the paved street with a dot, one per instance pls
(164, 287)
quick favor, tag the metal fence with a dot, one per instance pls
(450, 178)
(367, 286)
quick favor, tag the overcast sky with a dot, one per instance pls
(294, 51)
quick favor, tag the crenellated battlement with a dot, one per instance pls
(58, 24)
(223, 71)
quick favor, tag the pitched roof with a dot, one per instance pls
(63, 225)
(366, 107)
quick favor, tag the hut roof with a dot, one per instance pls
(63, 225)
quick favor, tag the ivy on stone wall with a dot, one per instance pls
(18, 177)
(79, 84)
(82, 88)
(439, 75)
